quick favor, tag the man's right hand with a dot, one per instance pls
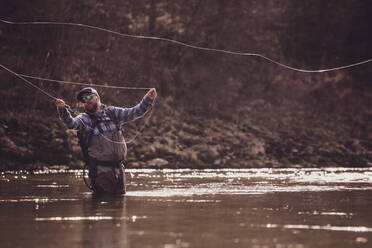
(60, 104)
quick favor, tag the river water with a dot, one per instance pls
(259, 208)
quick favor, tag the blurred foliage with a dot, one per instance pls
(314, 34)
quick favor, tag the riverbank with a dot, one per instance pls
(257, 135)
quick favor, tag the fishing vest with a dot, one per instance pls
(102, 146)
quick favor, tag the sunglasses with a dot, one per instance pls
(87, 97)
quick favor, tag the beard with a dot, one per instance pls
(91, 107)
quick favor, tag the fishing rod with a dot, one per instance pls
(180, 43)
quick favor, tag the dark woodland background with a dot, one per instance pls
(214, 110)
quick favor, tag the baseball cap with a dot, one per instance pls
(88, 90)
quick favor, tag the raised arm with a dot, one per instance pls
(66, 117)
(130, 114)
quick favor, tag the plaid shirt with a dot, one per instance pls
(104, 121)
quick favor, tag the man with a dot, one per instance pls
(101, 139)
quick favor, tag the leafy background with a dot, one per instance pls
(213, 110)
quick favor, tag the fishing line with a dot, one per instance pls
(149, 113)
(191, 46)
(85, 84)
(106, 138)
(28, 82)
(21, 76)
(139, 131)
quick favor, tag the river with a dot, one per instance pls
(259, 208)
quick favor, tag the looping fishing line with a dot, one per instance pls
(28, 82)
(84, 84)
(190, 46)
(23, 77)
(149, 113)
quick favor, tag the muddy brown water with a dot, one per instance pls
(259, 208)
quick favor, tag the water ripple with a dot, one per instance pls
(319, 227)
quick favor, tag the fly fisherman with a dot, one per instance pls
(101, 139)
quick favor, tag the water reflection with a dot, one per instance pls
(104, 222)
(317, 227)
(76, 218)
(190, 208)
(168, 183)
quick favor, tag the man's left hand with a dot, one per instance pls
(152, 94)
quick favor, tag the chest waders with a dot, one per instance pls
(105, 176)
